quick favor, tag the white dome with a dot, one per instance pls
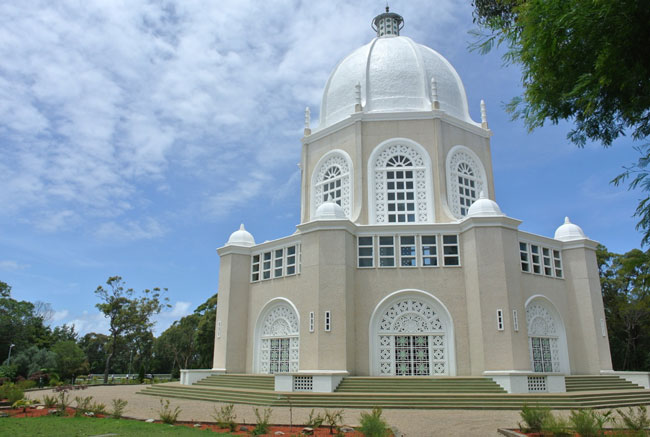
(330, 211)
(241, 237)
(484, 207)
(569, 232)
(395, 76)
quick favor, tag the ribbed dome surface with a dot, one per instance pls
(395, 76)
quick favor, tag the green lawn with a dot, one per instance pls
(86, 426)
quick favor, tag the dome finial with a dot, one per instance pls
(387, 24)
(307, 121)
(484, 122)
(435, 103)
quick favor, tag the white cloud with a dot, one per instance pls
(59, 315)
(147, 229)
(11, 265)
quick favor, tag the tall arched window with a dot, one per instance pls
(278, 339)
(546, 337)
(465, 180)
(400, 186)
(332, 181)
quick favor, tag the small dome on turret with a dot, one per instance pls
(569, 231)
(330, 210)
(484, 207)
(241, 237)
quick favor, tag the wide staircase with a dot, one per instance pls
(409, 392)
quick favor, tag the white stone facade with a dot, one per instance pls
(400, 280)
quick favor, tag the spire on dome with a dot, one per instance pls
(387, 24)
(484, 122)
(307, 121)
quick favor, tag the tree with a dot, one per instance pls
(70, 359)
(95, 347)
(31, 360)
(584, 61)
(127, 313)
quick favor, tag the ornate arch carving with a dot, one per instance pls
(465, 173)
(333, 168)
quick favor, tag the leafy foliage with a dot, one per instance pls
(372, 424)
(128, 314)
(334, 419)
(226, 418)
(167, 415)
(534, 418)
(589, 423)
(119, 405)
(635, 419)
(70, 359)
(263, 418)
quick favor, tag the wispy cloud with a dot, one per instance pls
(130, 230)
(11, 265)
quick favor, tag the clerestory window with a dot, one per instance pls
(331, 181)
(465, 180)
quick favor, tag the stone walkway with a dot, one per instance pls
(411, 423)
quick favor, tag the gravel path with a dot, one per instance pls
(411, 423)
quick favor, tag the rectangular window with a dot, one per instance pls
(429, 250)
(255, 268)
(557, 263)
(535, 258)
(386, 251)
(500, 320)
(291, 260)
(523, 256)
(515, 320)
(407, 251)
(311, 321)
(266, 266)
(219, 329)
(546, 259)
(450, 252)
(277, 263)
(603, 327)
(328, 321)
(365, 254)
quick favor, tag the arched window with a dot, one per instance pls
(400, 184)
(278, 333)
(465, 180)
(332, 181)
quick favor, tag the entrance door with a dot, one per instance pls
(541, 354)
(279, 359)
(412, 355)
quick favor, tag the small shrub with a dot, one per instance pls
(14, 393)
(63, 402)
(557, 426)
(589, 423)
(49, 401)
(167, 415)
(534, 418)
(118, 408)
(372, 425)
(314, 421)
(635, 419)
(22, 403)
(262, 425)
(98, 408)
(334, 419)
(141, 374)
(26, 384)
(82, 405)
(225, 417)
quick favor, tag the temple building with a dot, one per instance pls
(403, 264)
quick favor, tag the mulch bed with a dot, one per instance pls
(618, 432)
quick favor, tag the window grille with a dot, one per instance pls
(429, 251)
(557, 262)
(466, 187)
(450, 250)
(311, 321)
(400, 190)
(255, 268)
(332, 185)
(500, 320)
(407, 255)
(537, 384)
(523, 256)
(328, 321)
(386, 251)
(515, 320)
(365, 248)
(535, 258)
(303, 383)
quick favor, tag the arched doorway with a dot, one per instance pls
(277, 338)
(547, 344)
(411, 334)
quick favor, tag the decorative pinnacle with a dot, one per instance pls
(435, 104)
(241, 227)
(566, 220)
(387, 24)
(483, 114)
(307, 121)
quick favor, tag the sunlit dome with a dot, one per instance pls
(241, 237)
(394, 74)
(330, 210)
(569, 231)
(484, 207)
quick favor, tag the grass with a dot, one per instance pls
(85, 426)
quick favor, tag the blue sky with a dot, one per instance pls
(135, 136)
